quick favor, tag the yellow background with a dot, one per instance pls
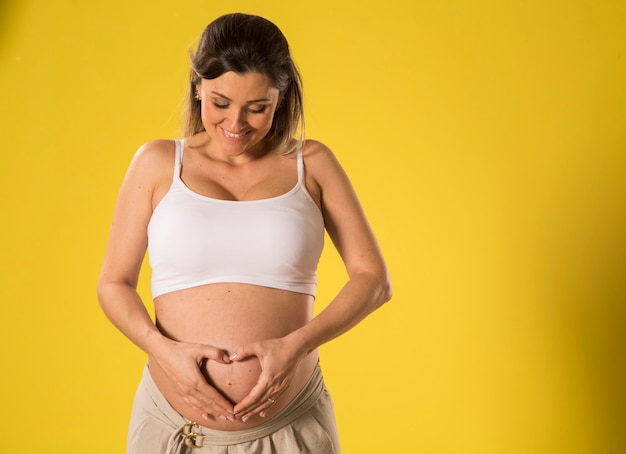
(487, 141)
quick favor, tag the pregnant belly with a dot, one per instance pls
(227, 317)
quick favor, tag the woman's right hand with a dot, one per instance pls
(181, 363)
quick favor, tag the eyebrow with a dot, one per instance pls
(253, 101)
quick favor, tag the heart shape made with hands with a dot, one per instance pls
(236, 386)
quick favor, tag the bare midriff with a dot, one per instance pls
(227, 316)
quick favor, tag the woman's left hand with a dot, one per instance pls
(278, 361)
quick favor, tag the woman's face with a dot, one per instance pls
(237, 111)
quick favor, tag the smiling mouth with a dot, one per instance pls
(232, 135)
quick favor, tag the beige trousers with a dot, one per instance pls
(306, 425)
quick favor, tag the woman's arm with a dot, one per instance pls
(147, 179)
(368, 285)
(367, 288)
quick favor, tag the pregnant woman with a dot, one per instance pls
(233, 218)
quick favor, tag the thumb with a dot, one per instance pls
(241, 353)
(215, 354)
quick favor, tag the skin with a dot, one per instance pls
(229, 355)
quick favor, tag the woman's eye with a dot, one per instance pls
(257, 110)
(253, 110)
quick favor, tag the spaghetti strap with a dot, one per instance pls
(300, 161)
(178, 159)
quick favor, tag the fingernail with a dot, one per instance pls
(226, 358)
(223, 418)
(262, 414)
(244, 419)
(205, 416)
(233, 356)
(230, 418)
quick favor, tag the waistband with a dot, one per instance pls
(190, 434)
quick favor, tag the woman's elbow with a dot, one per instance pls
(382, 290)
(102, 292)
(386, 289)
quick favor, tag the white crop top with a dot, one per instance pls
(195, 240)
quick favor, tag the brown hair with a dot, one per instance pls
(245, 43)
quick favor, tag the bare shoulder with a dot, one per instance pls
(153, 161)
(320, 160)
(155, 153)
(150, 172)
(314, 149)
(325, 178)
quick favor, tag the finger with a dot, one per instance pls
(261, 397)
(268, 404)
(216, 405)
(243, 352)
(261, 409)
(257, 396)
(214, 354)
(209, 402)
(209, 410)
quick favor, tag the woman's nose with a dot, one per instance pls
(236, 120)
